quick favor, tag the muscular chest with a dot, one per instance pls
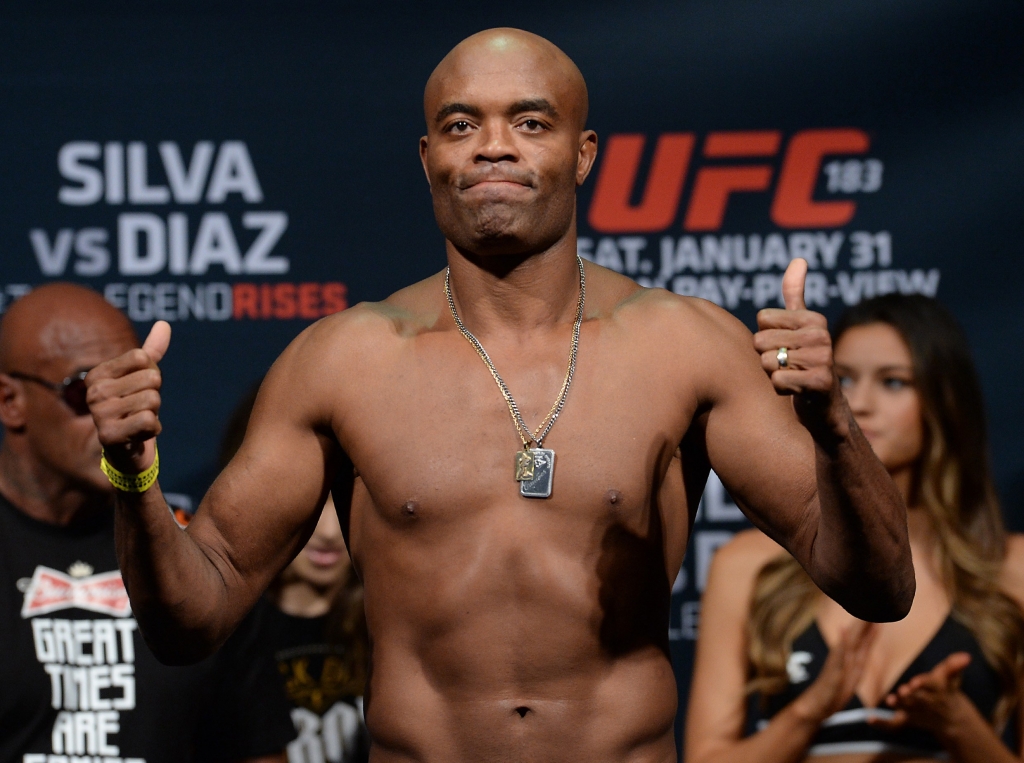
(435, 433)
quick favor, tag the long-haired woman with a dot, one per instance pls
(784, 674)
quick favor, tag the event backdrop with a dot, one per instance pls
(241, 169)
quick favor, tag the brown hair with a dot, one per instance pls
(952, 483)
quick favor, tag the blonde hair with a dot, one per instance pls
(952, 484)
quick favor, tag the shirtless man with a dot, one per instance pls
(506, 627)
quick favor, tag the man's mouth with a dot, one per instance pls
(498, 183)
(500, 191)
(494, 181)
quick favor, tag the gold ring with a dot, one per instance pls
(783, 357)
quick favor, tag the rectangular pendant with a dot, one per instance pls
(524, 465)
(539, 484)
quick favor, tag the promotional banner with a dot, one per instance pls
(242, 171)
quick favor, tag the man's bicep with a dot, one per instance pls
(263, 506)
(757, 446)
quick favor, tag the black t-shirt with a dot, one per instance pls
(77, 681)
(324, 684)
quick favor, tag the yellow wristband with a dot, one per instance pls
(132, 483)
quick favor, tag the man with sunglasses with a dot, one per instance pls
(72, 389)
(77, 681)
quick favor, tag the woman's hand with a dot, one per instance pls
(839, 676)
(931, 700)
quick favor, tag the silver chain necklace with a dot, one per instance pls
(534, 466)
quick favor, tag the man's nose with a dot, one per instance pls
(497, 142)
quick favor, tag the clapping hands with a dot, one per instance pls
(930, 700)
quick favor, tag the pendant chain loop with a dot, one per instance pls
(517, 417)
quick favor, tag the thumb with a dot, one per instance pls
(158, 340)
(954, 665)
(793, 284)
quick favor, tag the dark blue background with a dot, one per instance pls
(328, 101)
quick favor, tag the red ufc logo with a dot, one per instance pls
(793, 205)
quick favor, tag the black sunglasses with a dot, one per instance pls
(72, 390)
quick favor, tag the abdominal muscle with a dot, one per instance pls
(493, 650)
(615, 710)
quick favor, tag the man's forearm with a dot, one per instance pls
(853, 535)
(860, 551)
(176, 590)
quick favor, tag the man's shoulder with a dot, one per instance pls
(369, 326)
(662, 310)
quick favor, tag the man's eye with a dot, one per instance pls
(461, 126)
(532, 125)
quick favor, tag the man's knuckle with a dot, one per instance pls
(819, 357)
(110, 388)
(107, 432)
(816, 336)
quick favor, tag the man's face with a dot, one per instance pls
(504, 152)
(62, 440)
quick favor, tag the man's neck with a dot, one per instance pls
(503, 294)
(299, 598)
(43, 495)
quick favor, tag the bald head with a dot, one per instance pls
(54, 333)
(506, 147)
(506, 49)
(59, 322)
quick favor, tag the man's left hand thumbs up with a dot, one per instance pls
(794, 343)
(793, 281)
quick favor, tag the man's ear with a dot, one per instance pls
(12, 404)
(423, 157)
(587, 155)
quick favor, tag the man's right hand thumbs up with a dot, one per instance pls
(158, 340)
(124, 399)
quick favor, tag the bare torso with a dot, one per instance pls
(506, 627)
(502, 627)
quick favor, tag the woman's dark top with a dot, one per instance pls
(848, 731)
